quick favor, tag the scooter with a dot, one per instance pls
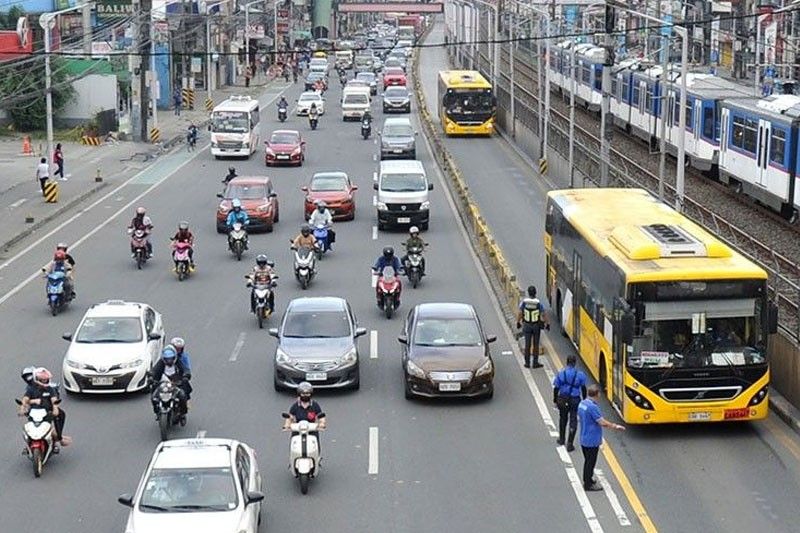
(56, 296)
(413, 266)
(262, 292)
(304, 265)
(282, 114)
(304, 451)
(168, 407)
(388, 289)
(237, 239)
(139, 245)
(183, 267)
(321, 233)
(366, 128)
(38, 436)
(313, 121)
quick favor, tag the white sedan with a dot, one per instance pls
(114, 347)
(197, 485)
(308, 98)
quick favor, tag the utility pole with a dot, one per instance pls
(144, 64)
(512, 88)
(606, 123)
(86, 15)
(572, 114)
(665, 82)
(185, 46)
(540, 84)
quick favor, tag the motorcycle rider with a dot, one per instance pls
(313, 112)
(191, 135)
(414, 241)
(305, 240)
(237, 214)
(142, 222)
(180, 348)
(230, 176)
(306, 409)
(262, 273)
(40, 391)
(183, 235)
(387, 259)
(283, 104)
(322, 215)
(60, 263)
(171, 367)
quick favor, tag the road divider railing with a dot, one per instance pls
(504, 277)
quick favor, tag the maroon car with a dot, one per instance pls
(285, 147)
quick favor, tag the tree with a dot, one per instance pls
(22, 91)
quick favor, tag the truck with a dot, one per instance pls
(415, 21)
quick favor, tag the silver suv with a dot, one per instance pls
(398, 139)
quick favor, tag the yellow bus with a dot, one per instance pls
(671, 322)
(467, 105)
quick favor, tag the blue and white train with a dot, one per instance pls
(758, 155)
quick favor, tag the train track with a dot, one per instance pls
(764, 236)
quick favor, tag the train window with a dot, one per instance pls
(717, 121)
(625, 88)
(585, 74)
(708, 122)
(635, 98)
(750, 135)
(676, 113)
(598, 78)
(689, 114)
(648, 98)
(614, 87)
(737, 135)
(777, 148)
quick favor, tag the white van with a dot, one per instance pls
(402, 197)
(234, 127)
(355, 102)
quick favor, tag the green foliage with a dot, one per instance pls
(22, 92)
(8, 21)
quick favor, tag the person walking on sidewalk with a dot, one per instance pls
(177, 99)
(592, 424)
(531, 316)
(58, 159)
(569, 386)
(43, 173)
(248, 73)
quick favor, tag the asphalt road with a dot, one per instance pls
(731, 477)
(451, 466)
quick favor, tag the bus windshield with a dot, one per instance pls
(470, 105)
(230, 122)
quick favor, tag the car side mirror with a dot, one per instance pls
(254, 496)
(491, 338)
(154, 336)
(360, 332)
(772, 319)
(304, 188)
(67, 336)
(430, 186)
(402, 339)
(286, 416)
(354, 188)
(126, 500)
(273, 195)
(375, 186)
(209, 127)
(220, 195)
(627, 323)
(416, 133)
(302, 143)
(273, 332)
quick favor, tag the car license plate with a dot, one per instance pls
(316, 376)
(449, 387)
(404, 220)
(700, 415)
(102, 381)
(398, 151)
(283, 157)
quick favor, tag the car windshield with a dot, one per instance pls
(316, 324)
(356, 99)
(403, 183)
(447, 332)
(246, 192)
(230, 122)
(283, 138)
(368, 77)
(110, 329)
(329, 183)
(395, 92)
(393, 71)
(178, 490)
(398, 130)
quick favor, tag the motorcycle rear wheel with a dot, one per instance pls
(304, 479)
(388, 309)
(53, 308)
(38, 462)
(260, 319)
(238, 253)
(163, 425)
(304, 283)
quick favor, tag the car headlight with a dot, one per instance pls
(485, 368)
(381, 206)
(283, 359)
(263, 208)
(270, 151)
(414, 370)
(424, 206)
(75, 364)
(296, 151)
(132, 364)
(246, 144)
(348, 359)
(213, 144)
(223, 209)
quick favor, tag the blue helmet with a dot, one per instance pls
(236, 203)
(169, 355)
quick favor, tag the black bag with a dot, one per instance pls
(565, 402)
(331, 236)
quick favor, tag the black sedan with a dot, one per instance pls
(317, 343)
(446, 353)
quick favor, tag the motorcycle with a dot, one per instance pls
(282, 114)
(413, 266)
(38, 436)
(168, 407)
(56, 295)
(183, 266)
(304, 451)
(321, 234)
(304, 265)
(343, 79)
(191, 139)
(139, 245)
(237, 238)
(313, 121)
(366, 129)
(388, 289)
(262, 291)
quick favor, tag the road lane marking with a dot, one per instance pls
(18, 203)
(374, 157)
(374, 200)
(201, 434)
(577, 488)
(612, 499)
(237, 348)
(373, 277)
(374, 233)
(372, 465)
(373, 344)
(507, 352)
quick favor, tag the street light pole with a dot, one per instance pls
(572, 115)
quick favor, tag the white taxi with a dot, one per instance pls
(200, 485)
(308, 98)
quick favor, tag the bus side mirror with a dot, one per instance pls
(772, 319)
(626, 325)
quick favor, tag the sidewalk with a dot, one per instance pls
(22, 208)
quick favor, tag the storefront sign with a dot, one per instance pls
(114, 8)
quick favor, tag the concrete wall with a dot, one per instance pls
(785, 367)
(94, 93)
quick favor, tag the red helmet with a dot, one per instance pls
(42, 377)
(60, 255)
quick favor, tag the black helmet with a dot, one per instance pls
(388, 252)
(305, 390)
(261, 260)
(305, 230)
(231, 170)
(27, 374)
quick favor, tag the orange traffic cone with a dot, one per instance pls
(26, 145)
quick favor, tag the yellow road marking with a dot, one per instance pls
(622, 478)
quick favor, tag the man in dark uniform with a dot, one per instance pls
(531, 317)
(569, 387)
(306, 409)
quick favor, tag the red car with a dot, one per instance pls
(393, 76)
(285, 147)
(258, 198)
(336, 190)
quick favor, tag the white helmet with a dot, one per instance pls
(413, 230)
